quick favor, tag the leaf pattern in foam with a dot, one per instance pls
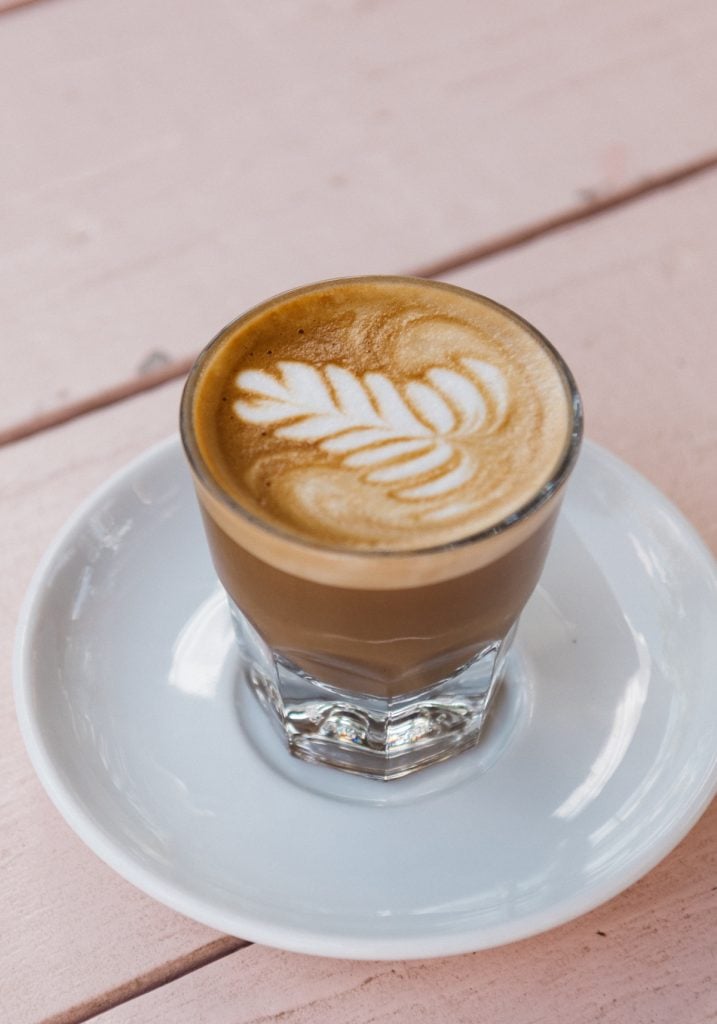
(398, 437)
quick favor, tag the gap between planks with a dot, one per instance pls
(144, 983)
(594, 206)
(11, 5)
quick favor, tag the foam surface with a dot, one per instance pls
(381, 413)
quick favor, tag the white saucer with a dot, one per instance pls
(600, 757)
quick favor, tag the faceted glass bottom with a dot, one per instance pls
(382, 738)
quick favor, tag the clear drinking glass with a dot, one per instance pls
(377, 662)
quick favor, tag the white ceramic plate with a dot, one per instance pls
(601, 754)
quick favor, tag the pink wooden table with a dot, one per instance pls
(167, 162)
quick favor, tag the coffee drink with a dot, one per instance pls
(378, 462)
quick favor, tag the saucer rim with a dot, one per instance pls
(357, 945)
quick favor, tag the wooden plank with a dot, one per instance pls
(645, 956)
(170, 163)
(74, 934)
(612, 294)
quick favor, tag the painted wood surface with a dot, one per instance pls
(613, 293)
(168, 162)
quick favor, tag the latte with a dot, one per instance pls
(381, 414)
(379, 463)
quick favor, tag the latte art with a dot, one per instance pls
(378, 413)
(406, 439)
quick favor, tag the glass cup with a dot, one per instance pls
(377, 662)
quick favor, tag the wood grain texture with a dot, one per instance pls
(646, 957)
(168, 162)
(630, 300)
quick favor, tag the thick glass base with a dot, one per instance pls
(383, 738)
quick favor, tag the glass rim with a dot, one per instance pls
(551, 486)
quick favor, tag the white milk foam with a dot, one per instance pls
(403, 439)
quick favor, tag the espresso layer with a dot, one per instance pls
(381, 414)
(383, 642)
